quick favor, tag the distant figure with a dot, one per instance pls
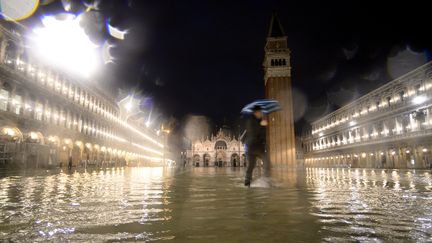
(88, 160)
(70, 162)
(256, 143)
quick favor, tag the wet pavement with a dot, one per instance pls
(211, 205)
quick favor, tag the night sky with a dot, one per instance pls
(205, 57)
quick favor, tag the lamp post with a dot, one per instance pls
(166, 133)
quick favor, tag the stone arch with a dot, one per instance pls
(206, 159)
(88, 151)
(53, 140)
(220, 158)
(196, 160)
(7, 86)
(221, 144)
(235, 160)
(35, 137)
(10, 134)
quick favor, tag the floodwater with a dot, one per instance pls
(211, 205)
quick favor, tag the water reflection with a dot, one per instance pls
(212, 205)
(82, 204)
(371, 205)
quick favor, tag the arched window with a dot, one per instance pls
(221, 145)
(71, 91)
(80, 124)
(55, 115)
(4, 96)
(38, 113)
(284, 62)
(82, 96)
(11, 52)
(62, 118)
(47, 110)
(272, 62)
(65, 87)
(401, 95)
(17, 103)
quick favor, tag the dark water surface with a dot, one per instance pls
(211, 205)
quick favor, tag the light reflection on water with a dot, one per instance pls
(371, 205)
(210, 204)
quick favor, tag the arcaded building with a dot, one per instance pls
(49, 117)
(390, 127)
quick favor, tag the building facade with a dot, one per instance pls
(220, 150)
(49, 117)
(390, 127)
(277, 77)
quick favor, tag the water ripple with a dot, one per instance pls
(212, 205)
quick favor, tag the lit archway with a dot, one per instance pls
(11, 134)
(196, 160)
(235, 160)
(206, 159)
(35, 137)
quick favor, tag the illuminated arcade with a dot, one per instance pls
(51, 113)
(390, 127)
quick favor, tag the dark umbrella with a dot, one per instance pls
(267, 106)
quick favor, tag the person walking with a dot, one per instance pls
(70, 162)
(256, 143)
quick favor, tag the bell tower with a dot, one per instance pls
(277, 78)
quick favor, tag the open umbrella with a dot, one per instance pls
(267, 106)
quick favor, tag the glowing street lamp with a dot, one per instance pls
(129, 106)
(62, 42)
(419, 100)
(166, 131)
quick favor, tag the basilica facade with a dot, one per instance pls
(220, 150)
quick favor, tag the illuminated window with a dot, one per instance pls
(58, 86)
(55, 116)
(71, 92)
(77, 95)
(418, 89)
(82, 96)
(38, 111)
(401, 95)
(4, 97)
(65, 88)
(17, 104)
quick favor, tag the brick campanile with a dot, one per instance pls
(277, 78)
